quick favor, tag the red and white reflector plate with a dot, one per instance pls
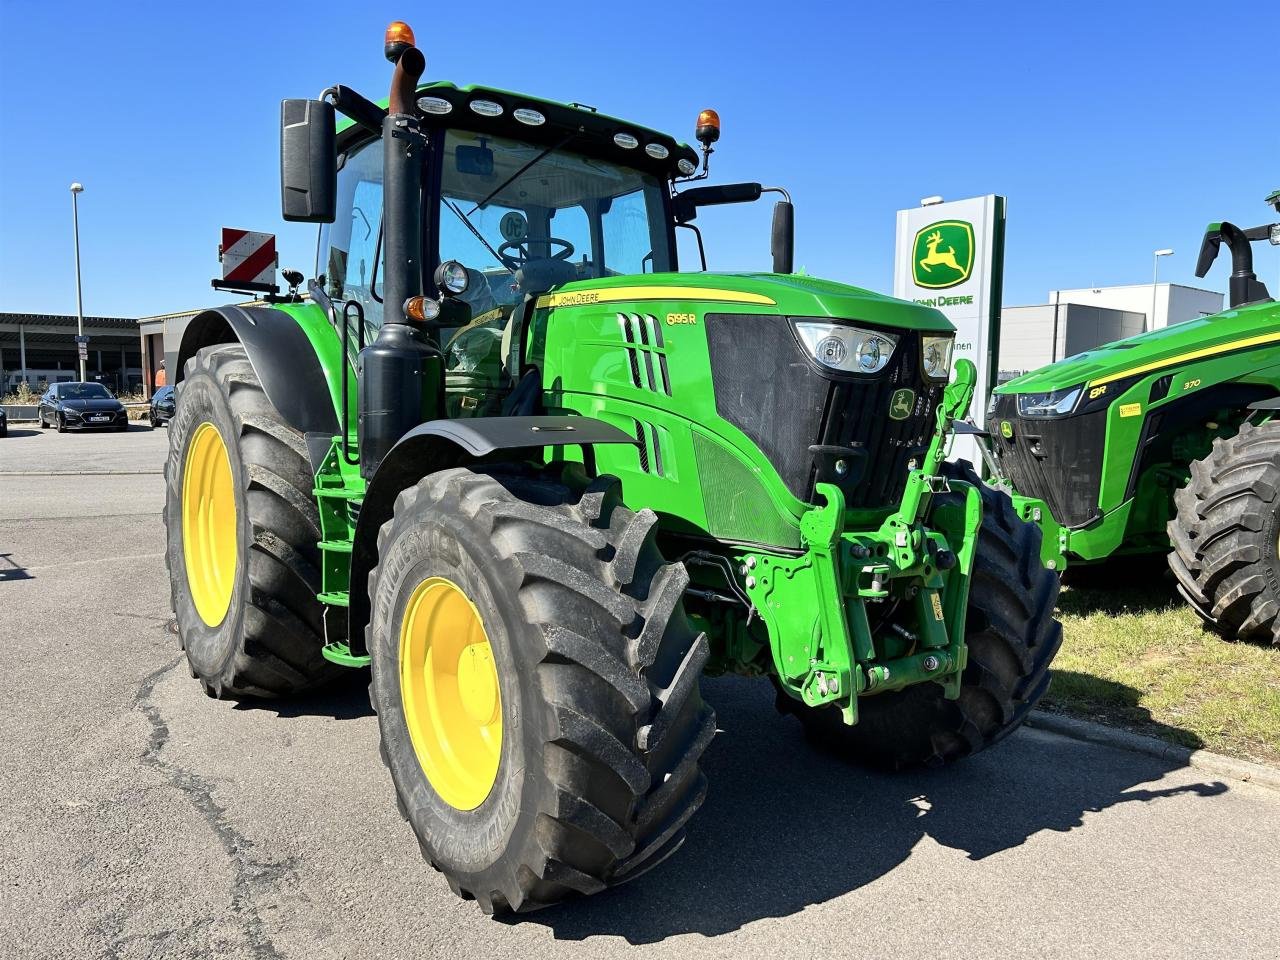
(248, 257)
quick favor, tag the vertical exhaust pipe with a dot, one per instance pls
(400, 374)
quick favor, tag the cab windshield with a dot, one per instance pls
(524, 218)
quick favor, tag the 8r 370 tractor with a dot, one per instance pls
(1164, 442)
(541, 493)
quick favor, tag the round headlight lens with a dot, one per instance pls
(937, 357)
(656, 150)
(686, 166)
(486, 108)
(626, 141)
(871, 354)
(452, 279)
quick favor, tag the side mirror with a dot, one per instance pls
(308, 161)
(783, 243)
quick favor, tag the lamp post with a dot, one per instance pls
(76, 189)
(1155, 278)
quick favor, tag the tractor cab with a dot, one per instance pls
(519, 196)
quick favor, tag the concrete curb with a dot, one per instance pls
(1244, 770)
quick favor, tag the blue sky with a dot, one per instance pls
(1113, 128)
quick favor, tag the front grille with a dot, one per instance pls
(1055, 459)
(805, 420)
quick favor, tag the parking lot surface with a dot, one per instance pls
(142, 819)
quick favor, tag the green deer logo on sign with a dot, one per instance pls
(942, 255)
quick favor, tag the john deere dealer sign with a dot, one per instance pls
(951, 256)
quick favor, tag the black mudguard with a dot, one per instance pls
(441, 444)
(281, 355)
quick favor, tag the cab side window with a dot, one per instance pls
(350, 254)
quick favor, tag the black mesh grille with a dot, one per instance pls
(1057, 460)
(805, 421)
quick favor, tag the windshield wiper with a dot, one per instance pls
(478, 235)
(519, 173)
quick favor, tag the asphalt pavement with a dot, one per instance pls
(142, 819)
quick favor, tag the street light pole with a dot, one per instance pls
(1155, 279)
(76, 189)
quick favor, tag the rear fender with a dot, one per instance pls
(285, 357)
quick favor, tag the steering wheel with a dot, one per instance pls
(522, 255)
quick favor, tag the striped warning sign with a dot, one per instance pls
(248, 257)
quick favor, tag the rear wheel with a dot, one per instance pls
(1012, 637)
(1226, 535)
(242, 531)
(536, 682)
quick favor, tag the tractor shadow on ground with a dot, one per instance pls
(346, 699)
(1129, 585)
(785, 827)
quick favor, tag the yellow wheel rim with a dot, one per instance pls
(449, 689)
(209, 524)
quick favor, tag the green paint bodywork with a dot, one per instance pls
(812, 578)
(1236, 347)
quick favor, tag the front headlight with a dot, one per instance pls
(1056, 403)
(849, 349)
(937, 357)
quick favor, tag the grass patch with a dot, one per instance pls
(1136, 656)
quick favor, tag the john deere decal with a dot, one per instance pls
(942, 255)
(901, 404)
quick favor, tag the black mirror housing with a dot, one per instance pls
(308, 161)
(783, 243)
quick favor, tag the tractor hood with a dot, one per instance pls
(789, 294)
(1239, 329)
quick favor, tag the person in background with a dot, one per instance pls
(162, 380)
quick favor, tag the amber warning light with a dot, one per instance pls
(399, 38)
(708, 129)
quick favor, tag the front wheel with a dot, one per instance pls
(536, 683)
(62, 423)
(1012, 637)
(1226, 535)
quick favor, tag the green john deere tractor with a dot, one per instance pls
(1164, 442)
(538, 480)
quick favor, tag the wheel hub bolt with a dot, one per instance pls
(930, 663)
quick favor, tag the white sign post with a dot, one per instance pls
(951, 256)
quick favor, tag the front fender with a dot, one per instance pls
(439, 445)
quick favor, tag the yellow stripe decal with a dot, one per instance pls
(587, 298)
(1193, 355)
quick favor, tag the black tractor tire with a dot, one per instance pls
(269, 642)
(1225, 536)
(598, 672)
(1012, 637)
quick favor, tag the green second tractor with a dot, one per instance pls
(1166, 442)
(539, 479)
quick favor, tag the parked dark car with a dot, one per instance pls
(161, 406)
(82, 406)
(4, 423)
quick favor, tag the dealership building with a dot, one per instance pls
(40, 348)
(1074, 321)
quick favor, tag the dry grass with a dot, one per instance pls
(1135, 655)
